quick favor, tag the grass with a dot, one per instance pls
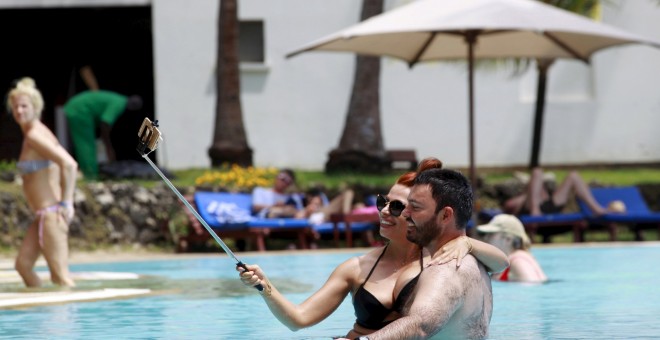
(305, 179)
(621, 177)
(615, 176)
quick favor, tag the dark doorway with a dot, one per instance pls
(52, 44)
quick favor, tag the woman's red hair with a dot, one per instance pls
(426, 163)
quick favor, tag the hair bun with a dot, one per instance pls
(26, 82)
(429, 163)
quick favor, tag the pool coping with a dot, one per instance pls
(76, 257)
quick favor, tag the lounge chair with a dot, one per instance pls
(229, 216)
(348, 224)
(546, 225)
(638, 216)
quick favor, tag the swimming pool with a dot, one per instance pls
(595, 292)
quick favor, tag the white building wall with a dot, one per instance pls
(294, 109)
(184, 62)
(627, 89)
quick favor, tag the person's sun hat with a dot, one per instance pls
(508, 224)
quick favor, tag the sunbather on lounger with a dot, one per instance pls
(318, 208)
(279, 200)
(536, 200)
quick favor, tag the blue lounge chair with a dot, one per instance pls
(546, 225)
(638, 216)
(223, 209)
(229, 214)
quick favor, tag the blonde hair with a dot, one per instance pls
(27, 86)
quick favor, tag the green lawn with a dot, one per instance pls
(610, 176)
(615, 176)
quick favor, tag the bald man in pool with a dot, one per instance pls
(448, 302)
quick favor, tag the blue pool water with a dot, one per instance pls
(595, 293)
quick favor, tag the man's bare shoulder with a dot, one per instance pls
(453, 281)
(450, 278)
(469, 266)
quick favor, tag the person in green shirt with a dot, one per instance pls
(91, 110)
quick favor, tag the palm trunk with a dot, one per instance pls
(229, 138)
(361, 144)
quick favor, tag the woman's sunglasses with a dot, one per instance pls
(396, 207)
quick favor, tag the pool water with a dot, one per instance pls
(595, 292)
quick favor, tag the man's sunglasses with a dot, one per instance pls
(396, 206)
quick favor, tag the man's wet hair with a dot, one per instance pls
(449, 188)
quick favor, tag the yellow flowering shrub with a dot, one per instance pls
(235, 178)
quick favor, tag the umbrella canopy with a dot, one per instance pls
(430, 30)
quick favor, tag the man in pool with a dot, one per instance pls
(448, 302)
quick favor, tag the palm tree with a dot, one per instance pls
(229, 138)
(584, 7)
(361, 144)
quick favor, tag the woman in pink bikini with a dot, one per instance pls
(49, 179)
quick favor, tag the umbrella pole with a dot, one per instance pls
(543, 66)
(471, 38)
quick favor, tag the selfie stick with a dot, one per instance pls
(149, 138)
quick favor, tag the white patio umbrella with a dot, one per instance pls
(430, 30)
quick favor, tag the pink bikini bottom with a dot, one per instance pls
(42, 214)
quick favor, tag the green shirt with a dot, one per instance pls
(97, 106)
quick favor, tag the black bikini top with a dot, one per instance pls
(370, 313)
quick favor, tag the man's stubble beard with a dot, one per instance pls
(425, 233)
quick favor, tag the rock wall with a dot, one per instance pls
(124, 213)
(106, 214)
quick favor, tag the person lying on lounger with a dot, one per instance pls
(318, 208)
(374, 279)
(536, 200)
